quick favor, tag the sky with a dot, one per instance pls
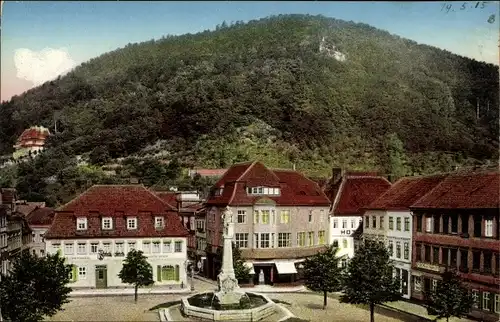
(41, 40)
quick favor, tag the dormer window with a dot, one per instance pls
(263, 191)
(159, 224)
(81, 223)
(107, 223)
(131, 223)
(218, 191)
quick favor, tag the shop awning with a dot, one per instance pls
(285, 267)
(250, 265)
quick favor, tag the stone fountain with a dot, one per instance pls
(228, 302)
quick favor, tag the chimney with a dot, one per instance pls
(337, 174)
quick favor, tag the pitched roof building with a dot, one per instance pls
(456, 225)
(97, 229)
(39, 220)
(280, 218)
(349, 193)
(32, 140)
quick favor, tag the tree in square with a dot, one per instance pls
(136, 271)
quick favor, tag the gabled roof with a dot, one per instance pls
(404, 192)
(168, 197)
(464, 191)
(117, 202)
(27, 207)
(41, 217)
(356, 192)
(295, 188)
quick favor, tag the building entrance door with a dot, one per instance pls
(101, 276)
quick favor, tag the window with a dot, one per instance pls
(398, 249)
(256, 217)
(93, 248)
(435, 255)
(407, 224)
(335, 223)
(106, 247)
(168, 273)
(310, 238)
(167, 246)
(454, 224)
(391, 223)
(464, 260)
(82, 272)
(446, 223)
(107, 223)
(374, 221)
(444, 256)
(343, 262)
(285, 216)
(81, 223)
(159, 222)
(391, 248)
(453, 257)
(146, 247)
(119, 248)
(464, 218)
(241, 240)
(131, 245)
(486, 301)
(497, 303)
(310, 216)
(344, 223)
(82, 248)
(488, 228)
(242, 216)
(434, 284)
(398, 223)
(255, 240)
(336, 243)
(321, 237)
(132, 223)
(475, 299)
(487, 261)
(264, 215)
(344, 243)
(427, 253)
(178, 246)
(353, 223)
(367, 222)
(284, 239)
(406, 250)
(419, 223)
(156, 247)
(321, 215)
(476, 261)
(69, 248)
(428, 224)
(381, 219)
(436, 228)
(265, 240)
(301, 239)
(417, 283)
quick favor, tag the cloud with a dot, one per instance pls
(42, 66)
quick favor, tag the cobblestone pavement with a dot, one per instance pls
(122, 308)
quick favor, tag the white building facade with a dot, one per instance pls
(97, 262)
(95, 233)
(341, 233)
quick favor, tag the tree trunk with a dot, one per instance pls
(447, 319)
(135, 293)
(325, 298)
(372, 312)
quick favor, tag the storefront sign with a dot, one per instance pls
(81, 257)
(428, 267)
(345, 232)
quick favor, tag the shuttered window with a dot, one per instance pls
(73, 274)
(168, 273)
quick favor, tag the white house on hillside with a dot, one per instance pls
(96, 230)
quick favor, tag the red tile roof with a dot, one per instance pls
(33, 133)
(404, 192)
(295, 188)
(41, 217)
(168, 196)
(464, 191)
(28, 207)
(117, 202)
(8, 195)
(356, 192)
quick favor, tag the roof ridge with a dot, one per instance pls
(246, 170)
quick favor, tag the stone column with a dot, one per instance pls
(227, 255)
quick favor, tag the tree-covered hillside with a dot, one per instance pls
(301, 89)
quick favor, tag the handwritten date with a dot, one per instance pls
(447, 7)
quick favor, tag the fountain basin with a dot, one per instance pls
(253, 307)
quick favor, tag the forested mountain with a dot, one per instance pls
(301, 89)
